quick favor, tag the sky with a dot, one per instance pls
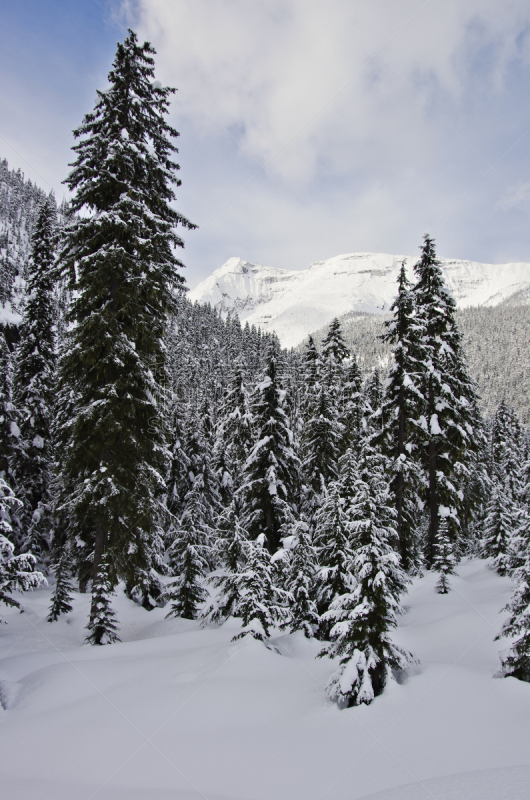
(308, 128)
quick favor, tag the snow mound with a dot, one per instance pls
(179, 711)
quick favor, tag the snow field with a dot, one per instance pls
(179, 711)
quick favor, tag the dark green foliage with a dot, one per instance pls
(231, 548)
(102, 627)
(61, 598)
(261, 605)
(401, 408)
(501, 524)
(333, 542)
(119, 258)
(270, 477)
(35, 386)
(447, 426)
(16, 572)
(517, 661)
(362, 618)
(300, 582)
(444, 559)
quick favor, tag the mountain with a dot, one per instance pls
(294, 304)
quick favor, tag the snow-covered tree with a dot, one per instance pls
(516, 661)
(9, 416)
(271, 472)
(35, 386)
(102, 627)
(362, 618)
(231, 548)
(119, 258)
(262, 605)
(17, 573)
(446, 428)
(333, 542)
(300, 582)
(500, 527)
(62, 597)
(401, 407)
(444, 559)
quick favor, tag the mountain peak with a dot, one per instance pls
(296, 303)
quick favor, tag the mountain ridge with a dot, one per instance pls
(293, 304)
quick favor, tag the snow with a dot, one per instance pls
(296, 303)
(177, 711)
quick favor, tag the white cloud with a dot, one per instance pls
(315, 88)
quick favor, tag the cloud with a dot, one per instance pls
(515, 197)
(313, 88)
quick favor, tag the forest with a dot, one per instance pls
(147, 445)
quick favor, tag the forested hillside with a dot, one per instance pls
(496, 344)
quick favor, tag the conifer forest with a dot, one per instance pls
(157, 450)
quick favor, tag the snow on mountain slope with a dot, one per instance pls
(294, 304)
(180, 712)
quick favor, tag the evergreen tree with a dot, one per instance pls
(119, 258)
(362, 618)
(232, 554)
(9, 416)
(448, 423)
(102, 627)
(507, 448)
(270, 476)
(61, 598)
(261, 604)
(300, 582)
(320, 442)
(35, 382)
(334, 554)
(16, 572)
(353, 408)
(401, 406)
(517, 661)
(500, 526)
(444, 559)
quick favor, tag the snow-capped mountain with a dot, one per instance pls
(294, 304)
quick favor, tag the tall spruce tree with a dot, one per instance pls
(400, 410)
(119, 258)
(35, 385)
(361, 619)
(447, 425)
(270, 476)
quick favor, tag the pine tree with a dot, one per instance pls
(362, 618)
(517, 661)
(300, 582)
(507, 446)
(333, 541)
(448, 423)
(231, 548)
(9, 416)
(444, 559)
(35, 382)
(16, 572)
(320, 442)
(119, 258)
(261, 604)
(191, 552)
(270, 476)
(353, 408)
(102, 627)
(401, 406)
(501, 524)
(61, 598)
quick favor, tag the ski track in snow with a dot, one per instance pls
(178, 712)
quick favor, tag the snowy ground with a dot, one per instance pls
(177, 712)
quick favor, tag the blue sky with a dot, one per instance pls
(308, 127)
